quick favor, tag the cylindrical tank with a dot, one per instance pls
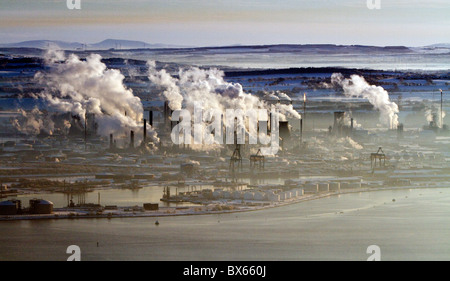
(294, 193)
(300, 191)
(335, 186)
(311, 188)
(8, 208)
(249, 196)
(324, 187)
(218, 193)
(260, 196)
(40, 206)
(227, 195)
(273, 197)
(237, 195)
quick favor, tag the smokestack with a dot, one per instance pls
(351, 125)
(111, 141)
(132, 139)
(85, 132)
(400, 129)
(269, 125)
(166, 111)
(338, 122)
(145, 131)
(151, 118)
(301, 131)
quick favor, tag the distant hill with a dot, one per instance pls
(43, 44)
(128, 44)
(308, 48)
(104, 45)
(305, 49)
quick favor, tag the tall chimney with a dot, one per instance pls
(166, 107)
(166, 111)
(269, 125)
(151, 118)
(301, 131)
(132, 139)
(85, 131)
(145, 131)
(111, 141)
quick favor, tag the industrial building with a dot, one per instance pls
(41, 207)
(9, 208)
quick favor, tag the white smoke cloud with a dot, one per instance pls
(54, 54)
(357, 86)
(33, 122)
(287, 110)
(349, 143)
(167, 82)
(283, 96)
(433, 114)
(82, 87)
(209, 88)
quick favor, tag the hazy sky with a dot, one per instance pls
(228, 22)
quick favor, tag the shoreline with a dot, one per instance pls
(193, 211)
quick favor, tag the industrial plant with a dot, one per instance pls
(73, 146)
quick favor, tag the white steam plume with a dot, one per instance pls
(33, 122)
(165, 81)
(87, 87)
(433, 114)
(357, 86)
(208, 87)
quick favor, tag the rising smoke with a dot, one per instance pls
(33, 122)
(86, 87)
(208, 87)
(433, 116)
(357, 87)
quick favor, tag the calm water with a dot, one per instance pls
(414, 227)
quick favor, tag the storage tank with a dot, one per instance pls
(324, 187)
(8, 208)
(260, 196)
(40, 206)
(311, 188)
(237, 195)
(218, 193)
(249, 196)
(288, 194)
(294, 193)
(273, 197)
(335, 186)
(227, 195)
